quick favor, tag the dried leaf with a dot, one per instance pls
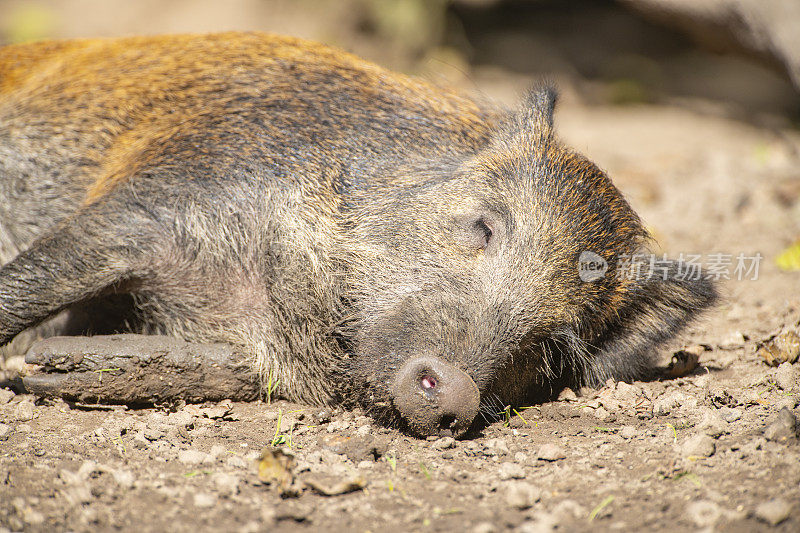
(782, 348)
(342, 487)
(276, 467)
(685, 361)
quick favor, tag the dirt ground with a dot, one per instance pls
(702, 451)
(715, 450)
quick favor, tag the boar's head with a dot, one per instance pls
(466, 286)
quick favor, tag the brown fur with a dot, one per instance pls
(329, 218)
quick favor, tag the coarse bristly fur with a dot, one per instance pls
(329, 218)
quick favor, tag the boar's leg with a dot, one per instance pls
(89, 255)
(654, 311)
(102, 250)
(135, 369)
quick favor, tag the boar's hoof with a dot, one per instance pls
(434, 397)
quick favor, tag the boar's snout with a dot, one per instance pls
(434, 397)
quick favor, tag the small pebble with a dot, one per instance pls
(181, 418)
(323, 416)
(786, 377)
(521, 457)
(550, 452)
(444, 443)
(496, 446)
(204, 499)
(33, 517)
(626, 392)
(542, 524)
(484, 527)
(235, 461)
(703, 513)
(5, 431)
(730, 414)
(567, 395)
(192, 457)
(789, 402)
(734, 340)
(568, 509)
(338, 425)
(227, 484)
(509, 470)
(521, 495)
(628, 432)
(140, 442)
(217, 452)
(773, 512)
(601, 413)
(712, 424)
(783, 427)
(5, 396)
(698, 446)
(154, 433)
(24, 411)
(124, 478)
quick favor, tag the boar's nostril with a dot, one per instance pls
(428, 382)
(435, 397)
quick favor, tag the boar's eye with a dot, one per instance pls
(483, 232)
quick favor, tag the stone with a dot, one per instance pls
(24, 411)
(192, 457)
(444, 443)
(550, 452)
(567, 395)
(204, 500)
(226, 484)
(671, 401)
(703, 513)
(509, 470)
(123, 478)
(218, 452)
(338, 425)
(236, 461)
(773, 512)
(5, 396)
(496, 446)
(521, 495)
(154, 433)
(729, 414)
(485, 527)
(786, 377)
(712, 424)
(698, 446)
(783, 428)
(181, 419)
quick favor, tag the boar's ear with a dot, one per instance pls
(532, 121)
(540, 103)
(656, 307)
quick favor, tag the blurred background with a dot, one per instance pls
(737, 58)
